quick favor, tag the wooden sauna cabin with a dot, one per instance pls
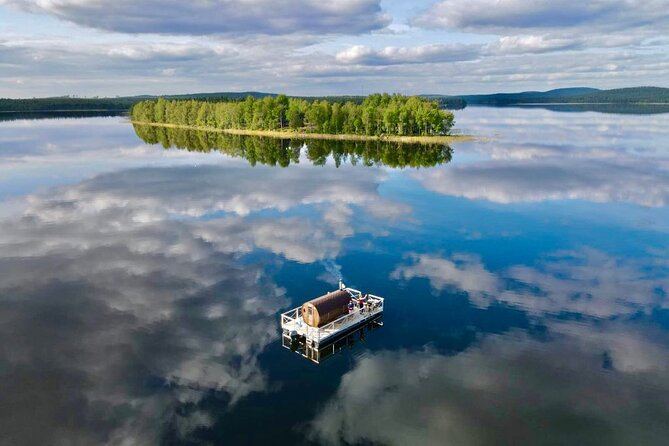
(322, 310)
(331, 316)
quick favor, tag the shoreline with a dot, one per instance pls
(588, 103)
(118, 110)
(289, 134)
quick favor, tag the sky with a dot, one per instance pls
(315, 47)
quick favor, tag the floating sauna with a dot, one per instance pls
(331, 316)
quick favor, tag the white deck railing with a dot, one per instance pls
(291, 316)
(374, 304)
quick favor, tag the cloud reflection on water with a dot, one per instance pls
(588, 385)
(125, 298)
(586, 282)
(642, 181)
(535, 155)
(129, 297)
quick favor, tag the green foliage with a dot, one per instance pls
(378, 114)
(283, 152)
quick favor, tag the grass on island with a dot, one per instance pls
(288, 134)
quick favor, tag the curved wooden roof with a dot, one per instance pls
(330, 301)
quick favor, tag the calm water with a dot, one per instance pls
(525, 276)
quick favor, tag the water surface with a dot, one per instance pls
(525, 278)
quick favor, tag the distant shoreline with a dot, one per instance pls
(577, 103)
(74, 110)
(290, 134)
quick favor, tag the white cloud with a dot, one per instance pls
(504, 15)
(456, 52)
(534, 44)
(189, 48)
(217, 16)
(434, 53)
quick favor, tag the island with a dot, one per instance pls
(379, 117)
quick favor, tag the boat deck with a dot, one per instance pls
(293, 326)
(345, 341)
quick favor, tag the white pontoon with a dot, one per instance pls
(361, 309)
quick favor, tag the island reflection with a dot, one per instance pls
(284, 152)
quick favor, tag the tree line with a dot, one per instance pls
(77, 114)
(65, 103)
(283, 152)
(378, 114)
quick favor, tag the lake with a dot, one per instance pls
(526, 274)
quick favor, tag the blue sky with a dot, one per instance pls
(89, 47)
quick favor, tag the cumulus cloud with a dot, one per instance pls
(289, 47)
(534, 44)
(557, 27)
(495, 15)
(297, 65)
(456, 52)
(217, 17)
(586, 282)
(105, 54)
(434, 53)
(509, 389)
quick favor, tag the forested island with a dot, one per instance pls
(378, 116)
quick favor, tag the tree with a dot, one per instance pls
(295, 115)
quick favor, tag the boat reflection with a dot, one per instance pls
(347, 340)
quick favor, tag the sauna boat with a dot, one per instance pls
(327, 318)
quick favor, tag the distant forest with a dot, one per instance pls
(580, 95)
(378, 114)
(623, 96)
(77, 114)
(66, 104)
